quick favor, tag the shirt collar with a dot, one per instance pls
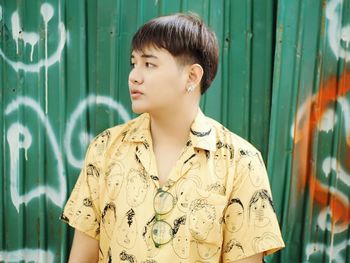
(139, 129)
(202, 134)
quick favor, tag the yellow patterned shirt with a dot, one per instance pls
(220, 207)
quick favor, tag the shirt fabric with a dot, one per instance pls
(221, 208)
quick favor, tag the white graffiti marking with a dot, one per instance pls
(84, 137)
(346, 111)
(32, 39)
(0, 13)
(328, 119)
(330, 164)
(27, 255)
(46, 11)
(332, 252)
(336, 33)
(56, 196)
(18, 33)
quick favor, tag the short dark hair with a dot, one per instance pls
(186, 37)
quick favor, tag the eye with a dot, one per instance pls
(149, 65)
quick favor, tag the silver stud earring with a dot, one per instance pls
(190, 88)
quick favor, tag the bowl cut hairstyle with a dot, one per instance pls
(184, 36)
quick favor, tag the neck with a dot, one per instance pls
(172, 126)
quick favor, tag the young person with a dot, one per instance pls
(172, 185)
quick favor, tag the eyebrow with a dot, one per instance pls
(145, 56)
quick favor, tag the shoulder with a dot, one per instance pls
(114, 135)
(226, 137)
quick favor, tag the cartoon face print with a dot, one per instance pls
(206, 250)
(259, 206)
(222, 159)
(137, 186)
(234, 215)
(254, 165)
(127, 230)
(86, 214)
(121, 152)
(101, 141)
(93, 175)
(109, 218)
(152, 251)
(184, 191)
(265, 242)
(216, 188)
(235, 248)
(114, 179)
(201, 218)
(181, 239)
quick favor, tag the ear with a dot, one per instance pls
(195, 74)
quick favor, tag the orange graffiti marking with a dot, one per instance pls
(315, 107)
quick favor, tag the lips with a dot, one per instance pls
(135, 94)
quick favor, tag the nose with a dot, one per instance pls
(135, 77)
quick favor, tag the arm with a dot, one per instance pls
(84, 249)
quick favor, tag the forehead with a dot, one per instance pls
(151, 52)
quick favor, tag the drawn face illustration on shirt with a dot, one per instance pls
(265, 242)
(109, 219)
(100, 142)
(235, 248)
(259, 205)
(256, 170)
(201, 218)
(86, 214)
(137, 186)
(207, 251)
(127, 230)
(181, 240)
(152, 251)
(93, 175)
(220, 164)
(234, 215)
(184, 191)
(114, 180)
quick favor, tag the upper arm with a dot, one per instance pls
(84, 249)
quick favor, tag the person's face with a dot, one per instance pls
(156, 80)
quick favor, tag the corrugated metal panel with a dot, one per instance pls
(309, 158)
(64, 67)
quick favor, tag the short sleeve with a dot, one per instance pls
(250, 222)
(82, 209)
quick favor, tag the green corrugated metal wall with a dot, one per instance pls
(283, 83)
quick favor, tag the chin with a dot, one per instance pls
(138, 110)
